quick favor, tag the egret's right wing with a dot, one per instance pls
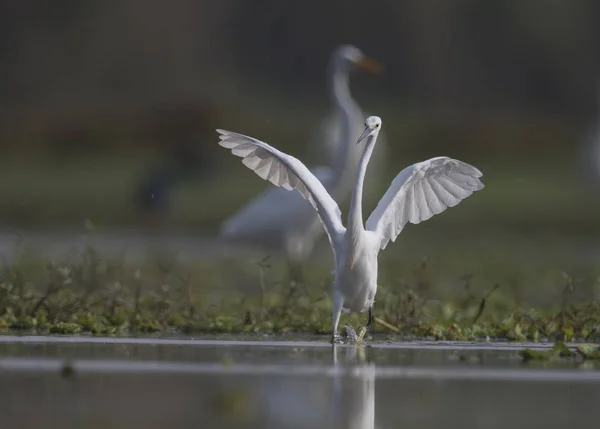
(287, 172)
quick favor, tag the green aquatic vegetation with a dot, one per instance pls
(560, 352)
(65, 328)
(589, 351)
(87, 294)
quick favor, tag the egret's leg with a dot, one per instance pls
(370, 324)
(370, 328)
(338, 304)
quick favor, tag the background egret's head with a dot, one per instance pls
(348, 56)
(372, 127)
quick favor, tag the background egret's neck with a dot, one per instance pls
(340, 87)
(355, 218)
(350, 116)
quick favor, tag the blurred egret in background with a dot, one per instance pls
(416, 194)
(590, 149)
(328, 141)
(281, 220)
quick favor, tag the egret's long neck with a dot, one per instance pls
(350, 117)
(355, 218)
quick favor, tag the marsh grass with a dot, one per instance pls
(90, 294)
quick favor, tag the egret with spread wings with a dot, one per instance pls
(416, 194)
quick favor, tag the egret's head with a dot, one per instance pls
(348, 57)
(372, 127)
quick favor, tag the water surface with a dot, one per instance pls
(90, 382)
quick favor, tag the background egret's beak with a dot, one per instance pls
(364, 134)
(370, 65)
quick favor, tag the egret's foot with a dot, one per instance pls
(336, 338)
(351, 334)
(361, 334)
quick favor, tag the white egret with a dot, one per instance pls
(281, 220)
(416, 194)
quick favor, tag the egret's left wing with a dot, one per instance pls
(421, 191)
(287, 172)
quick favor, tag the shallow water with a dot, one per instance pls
(90, 382)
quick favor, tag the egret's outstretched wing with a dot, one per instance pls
(420, 191)
(287, 172)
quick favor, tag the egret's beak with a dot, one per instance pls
(369, 65)
(364, 134)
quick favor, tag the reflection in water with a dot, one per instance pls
(354, 391)
(345, 399)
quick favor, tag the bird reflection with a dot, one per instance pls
(353, 393)
(341, 397)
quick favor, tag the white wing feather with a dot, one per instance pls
(287, 172)
(421, 191)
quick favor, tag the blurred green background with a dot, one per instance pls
(99, 98)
